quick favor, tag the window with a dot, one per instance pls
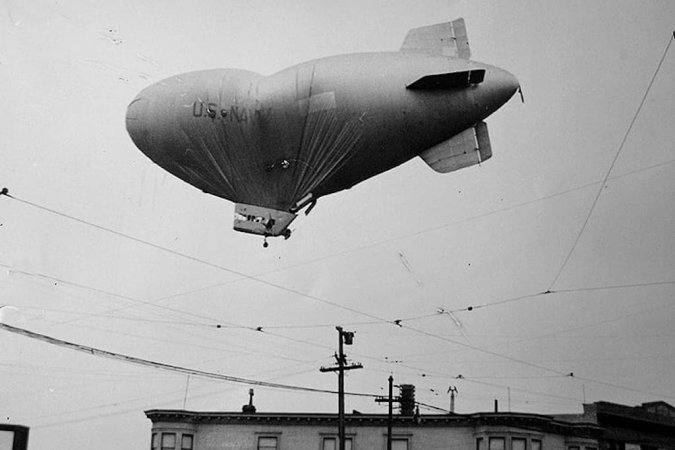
(6, 439)
(573, 447)
(399, 444)
(186, 442)
(479, 444)
(168, 441)
(13, 437)
(267, 443)
(498, 443)
(155, 441)
(535, 444)
(518, 443)
(331, 443)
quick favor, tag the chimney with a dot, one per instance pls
(407, 399)
(249, 409)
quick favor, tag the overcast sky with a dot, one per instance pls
(406, 244)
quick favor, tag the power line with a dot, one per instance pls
(189, 257)
(395, 322)
(489, 352)
(278, 286)
(255, 277)
(102, 291)
(624, 388)
(558, 291)
(157, 365)
(398, 323)
(139, 361)
(210, 323)
(456, 222)
(611, 167)
(218, 324)
(500, 386)
(428, 230)
(135, 410)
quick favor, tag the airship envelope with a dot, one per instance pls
(275, 144)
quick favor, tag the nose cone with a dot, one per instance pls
(136, 121)
(502, 85)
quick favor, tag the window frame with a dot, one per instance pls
(522, 439)
(268, 436)
(348, 439)
(531, 441)
(492, 439)
(405, 439)
(161, 442)
(182, 441)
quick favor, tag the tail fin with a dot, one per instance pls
(468, 148)
(443, 39)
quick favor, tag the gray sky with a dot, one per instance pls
(400, 245)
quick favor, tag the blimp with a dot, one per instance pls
(273, 145)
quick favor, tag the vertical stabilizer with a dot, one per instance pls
(442, 39)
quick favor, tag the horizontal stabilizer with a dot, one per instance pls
(263, 221)
(470, 147)
(443, 39)
(449, 80)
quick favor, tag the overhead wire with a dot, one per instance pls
(134, 300)
(501, 302)
(527, 391)
(398, 323)
(445, 225)
(592, 324)
(468, 308)
(558, 291)
(312, 261)
(188, 257)
(380, 319)
(214, 324)
(210, 323)
(210, 393)
(168, 367)
(611, 167)
(374, 358)
(423, 332)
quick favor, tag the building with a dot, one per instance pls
(650, 426)
(189, 430)
(13, 437)
(602, 426)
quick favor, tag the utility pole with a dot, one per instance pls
(391, 401)
(344, 338)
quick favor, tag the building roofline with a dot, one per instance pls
(632, 413)
(9, 427)
(362, 419)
